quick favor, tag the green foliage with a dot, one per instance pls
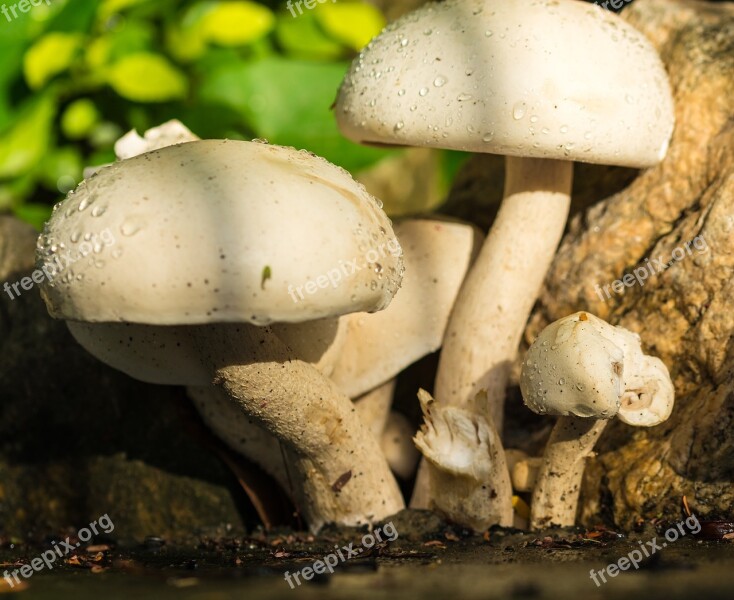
(78, 74)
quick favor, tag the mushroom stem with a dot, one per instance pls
(241, 433)
(340, 474)
(498, 294)
(374, 407)
(556, 494)
(469, 479)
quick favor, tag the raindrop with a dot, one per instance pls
(463, 97)
(439, 81)
(518, 111)
(561, 381)
(488, 137)
(423, 91)
(564, 129)
(401, 93)
(83, 204)
(399, 125)
(129, 229)
(65, 184)
(98, 211)
(489, 33)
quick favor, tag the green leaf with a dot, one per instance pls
(79, 119)
(25, 143)
(352, 23)
(147, 77)
(236, 23)
(13, 191)
(51, 55)
(134, 38)
(303, 37)
(288, 102)
(111, 7)
(72, 15)
(63, 162)
(35, 214)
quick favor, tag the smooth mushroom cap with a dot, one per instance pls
(555, 79)
(583, 366)
(572, 369)
(220, 231)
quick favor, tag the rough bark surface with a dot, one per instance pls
(684, 314)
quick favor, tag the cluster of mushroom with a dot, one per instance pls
(544, 83)
(215, 235)
(212, 235)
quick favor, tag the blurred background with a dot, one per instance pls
(79, 74)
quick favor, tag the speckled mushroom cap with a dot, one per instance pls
(219, 231)
(583, 366)
(557, 79)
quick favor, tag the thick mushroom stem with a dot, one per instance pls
(469, 479)
(241, 433)
(340, 474)
(556, 494)
(374, 407)
(498, 294)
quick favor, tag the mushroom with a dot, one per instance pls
(468, 475)
(370, 349)
(212, 236)
(541, 83)
(587, 372)
(524, 473)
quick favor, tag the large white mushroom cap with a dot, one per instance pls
(583, 366)
(220, 231)
(557, 79)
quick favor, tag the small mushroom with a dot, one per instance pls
(538, 82)
(210, 237)
(587, 372)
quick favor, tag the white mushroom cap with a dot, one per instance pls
(582, 366)
(219, 231)
(555, 79)
(169, 133)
